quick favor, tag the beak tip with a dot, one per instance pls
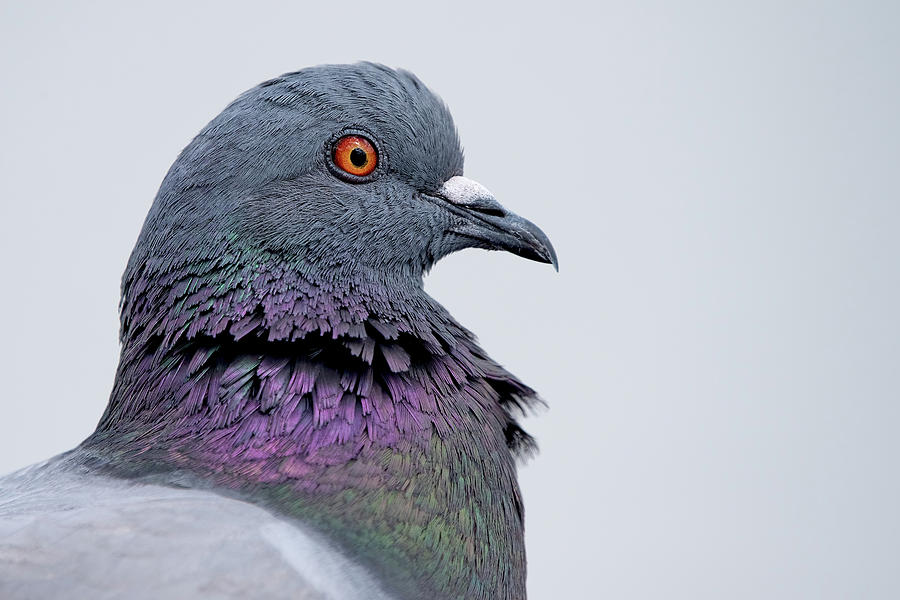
(547, 254)
(553, 260)
(544, 248)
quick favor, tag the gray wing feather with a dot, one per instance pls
(76, 535)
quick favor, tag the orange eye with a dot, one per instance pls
(355, 155)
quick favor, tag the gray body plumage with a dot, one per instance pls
(67, 532)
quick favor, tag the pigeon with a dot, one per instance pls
(292, 415)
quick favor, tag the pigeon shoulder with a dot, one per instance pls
(65, 533)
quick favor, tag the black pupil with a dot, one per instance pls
(358, 157)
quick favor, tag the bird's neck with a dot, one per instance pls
(389, 431)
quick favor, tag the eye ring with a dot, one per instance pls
(354, 156)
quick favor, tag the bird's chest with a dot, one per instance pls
(445, 520)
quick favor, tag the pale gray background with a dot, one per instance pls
(721, 347)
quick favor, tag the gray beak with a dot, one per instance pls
(494, 227)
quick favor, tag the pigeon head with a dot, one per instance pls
(340, 171)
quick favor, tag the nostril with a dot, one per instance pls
(471, 195)
(493, 211)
